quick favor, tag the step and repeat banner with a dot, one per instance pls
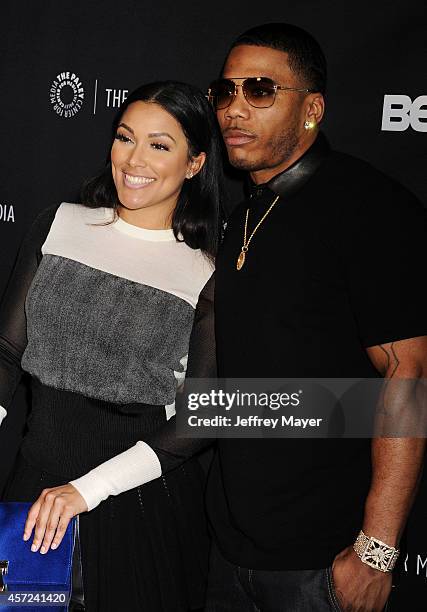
(66, 67)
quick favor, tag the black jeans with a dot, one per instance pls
(236, 589)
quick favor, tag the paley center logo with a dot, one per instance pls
(67, 94)
(400, 113)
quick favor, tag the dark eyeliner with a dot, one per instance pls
(122, 137)
(160, 146)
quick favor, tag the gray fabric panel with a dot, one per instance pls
(104, 336)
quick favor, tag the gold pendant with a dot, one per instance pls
(241, 260)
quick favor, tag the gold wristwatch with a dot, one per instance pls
(375, 553)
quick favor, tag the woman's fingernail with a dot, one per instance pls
(54, 546)
(25, 537)
(33, 548)
(43, 550)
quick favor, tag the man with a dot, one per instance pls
(319, 275)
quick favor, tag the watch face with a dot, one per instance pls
(377, 555)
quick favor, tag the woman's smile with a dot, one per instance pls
(135, 181)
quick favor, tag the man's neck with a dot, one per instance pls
(289, 181)
(260, 177)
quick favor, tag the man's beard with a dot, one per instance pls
(279, 150)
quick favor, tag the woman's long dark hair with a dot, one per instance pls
(197, 217)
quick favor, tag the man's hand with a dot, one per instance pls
(359, 588)
(50, 514)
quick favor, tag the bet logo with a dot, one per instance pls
(399, 112)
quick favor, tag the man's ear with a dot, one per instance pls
(315, 108)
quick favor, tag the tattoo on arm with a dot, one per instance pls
(402, 403)
(392, 358)
(392, 364)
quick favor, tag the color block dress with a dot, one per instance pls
(109, 310)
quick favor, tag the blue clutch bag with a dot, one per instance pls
(23, 571)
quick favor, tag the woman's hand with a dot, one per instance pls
(50, 514)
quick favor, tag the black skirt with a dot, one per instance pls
(143, 550)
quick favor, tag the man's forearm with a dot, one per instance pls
(397, 466)
(401, 427)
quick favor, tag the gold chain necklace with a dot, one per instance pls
(242, 254)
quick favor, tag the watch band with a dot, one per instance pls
(375, 553)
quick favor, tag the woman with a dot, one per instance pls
(110, 289)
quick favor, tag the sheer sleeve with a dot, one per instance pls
(13, 325)
(173, 451)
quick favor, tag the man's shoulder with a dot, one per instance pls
(360, 172)
(361, 183)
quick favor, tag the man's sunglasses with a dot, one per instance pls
(259, 92)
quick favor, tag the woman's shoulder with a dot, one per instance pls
(40, 226)
(73, 211)
(70, 224)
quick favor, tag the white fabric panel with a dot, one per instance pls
(80, 233)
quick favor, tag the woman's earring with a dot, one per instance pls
(190, 175)
(310, 125)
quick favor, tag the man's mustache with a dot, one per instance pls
(230, 130)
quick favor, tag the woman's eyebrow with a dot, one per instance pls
(158, 134)
(126, 127)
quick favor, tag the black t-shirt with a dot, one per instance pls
(337, 266)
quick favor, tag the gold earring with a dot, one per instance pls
(190, 175)
(310, 125)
